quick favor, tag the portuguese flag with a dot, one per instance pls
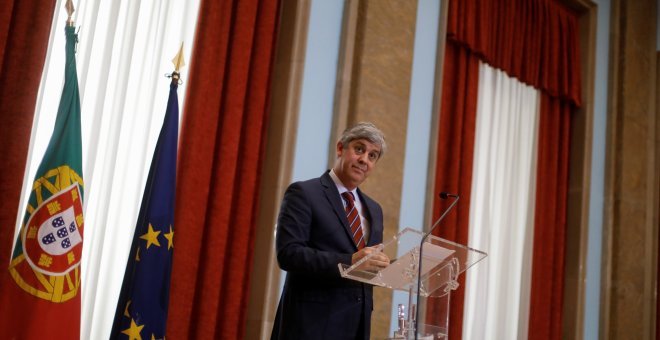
(42, 299)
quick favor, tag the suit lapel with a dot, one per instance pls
(369, 207)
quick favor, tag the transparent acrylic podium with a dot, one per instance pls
(442, 263)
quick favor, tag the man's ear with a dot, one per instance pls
(340, 148)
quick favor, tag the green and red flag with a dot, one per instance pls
(42, 297)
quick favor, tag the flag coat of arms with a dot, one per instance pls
(141, 311)
(42, 298)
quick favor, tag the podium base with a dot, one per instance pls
(426, 332)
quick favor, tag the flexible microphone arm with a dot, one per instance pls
(443, 195)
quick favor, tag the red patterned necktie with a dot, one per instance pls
(354, 219)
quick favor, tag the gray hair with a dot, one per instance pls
(364, 130)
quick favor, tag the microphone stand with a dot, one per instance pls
(443, 195)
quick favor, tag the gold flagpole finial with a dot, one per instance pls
(178, 63)
(178, 59)
(69, 10)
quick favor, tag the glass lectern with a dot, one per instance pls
(435, 272)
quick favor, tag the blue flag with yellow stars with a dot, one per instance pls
(142, 306)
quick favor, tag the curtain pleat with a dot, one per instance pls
(550, 219)
(455, 157)
(220, 157)
(24, 30)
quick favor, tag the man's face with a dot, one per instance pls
(355, 161)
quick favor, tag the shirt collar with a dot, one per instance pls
(340, 186)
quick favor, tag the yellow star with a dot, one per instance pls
(137, 255)
(133, 332)
(126, 309)
(151, 237)
(170, 238)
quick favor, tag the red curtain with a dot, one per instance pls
(536, 42)
(455, 150)
(220, 155)
(546, 298)
(24, 30)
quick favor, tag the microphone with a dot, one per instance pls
(443, 195)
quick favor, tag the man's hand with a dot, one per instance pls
(376, 263)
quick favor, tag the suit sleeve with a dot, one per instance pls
(301, 244)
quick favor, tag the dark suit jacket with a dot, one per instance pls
(313, 237)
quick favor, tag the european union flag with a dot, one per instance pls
(142, 307)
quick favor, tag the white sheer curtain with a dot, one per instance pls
(502, 207)
(125, 49)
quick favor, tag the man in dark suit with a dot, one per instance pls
(314, 235)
